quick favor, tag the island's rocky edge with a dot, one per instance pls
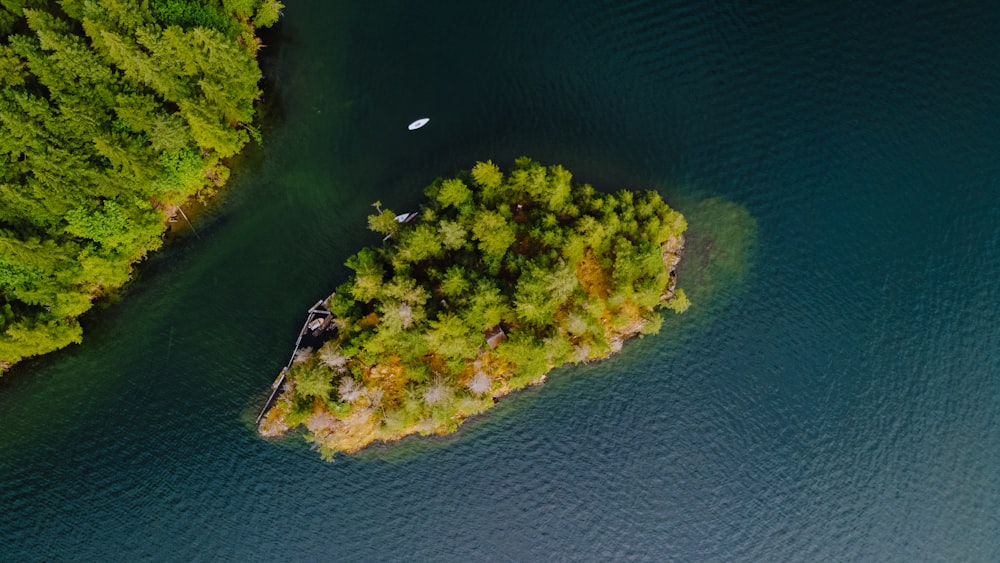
(347, 404)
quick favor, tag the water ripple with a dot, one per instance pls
(835, 402)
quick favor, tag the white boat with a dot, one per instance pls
(418, 123)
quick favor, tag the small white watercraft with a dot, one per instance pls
(418, 123)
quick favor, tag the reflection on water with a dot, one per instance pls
(719, 252)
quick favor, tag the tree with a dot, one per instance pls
(108, 226)
(406, 289)
(369, 273)
(526, 353)
(487, 307)
(313, 383)
(453, 193)
(384, 222)
(450, 337)
(268, 13)
(455, 282)
(419, 243)
(540, 293)
(558, 197)
(487, 175)
(453, 234)
(680, 302)
(494, 233)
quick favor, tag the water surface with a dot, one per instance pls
(837, 399)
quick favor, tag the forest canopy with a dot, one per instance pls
(112, 114)
(496, 280)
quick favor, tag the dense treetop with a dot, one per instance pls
(112, 113)
(498, 280)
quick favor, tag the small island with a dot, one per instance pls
(495, 281)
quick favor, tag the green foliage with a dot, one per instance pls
(488, 306)
(30, 337)
(268, 13)
(453, 234)
(557, 199)
(654, 322)
(494, 232)
(314, 382)
(487, 175)
(384, 222)
(301, 408)
(182, 172)
(192, 13)
(369, 272)
(451, 337)
(108, 226)
(453, 193)
(680, 302)
(455, 282)
(240, 8)
(419, 243)
(527, 352)
(6, 315)
(540, 293)
(111, 113)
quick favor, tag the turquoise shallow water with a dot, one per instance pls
(836, 400)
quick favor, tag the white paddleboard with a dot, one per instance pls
(418, 123)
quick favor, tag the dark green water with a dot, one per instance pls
(837, 400)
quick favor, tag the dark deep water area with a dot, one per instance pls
(832, 395)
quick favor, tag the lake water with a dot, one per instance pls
(832, 396)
